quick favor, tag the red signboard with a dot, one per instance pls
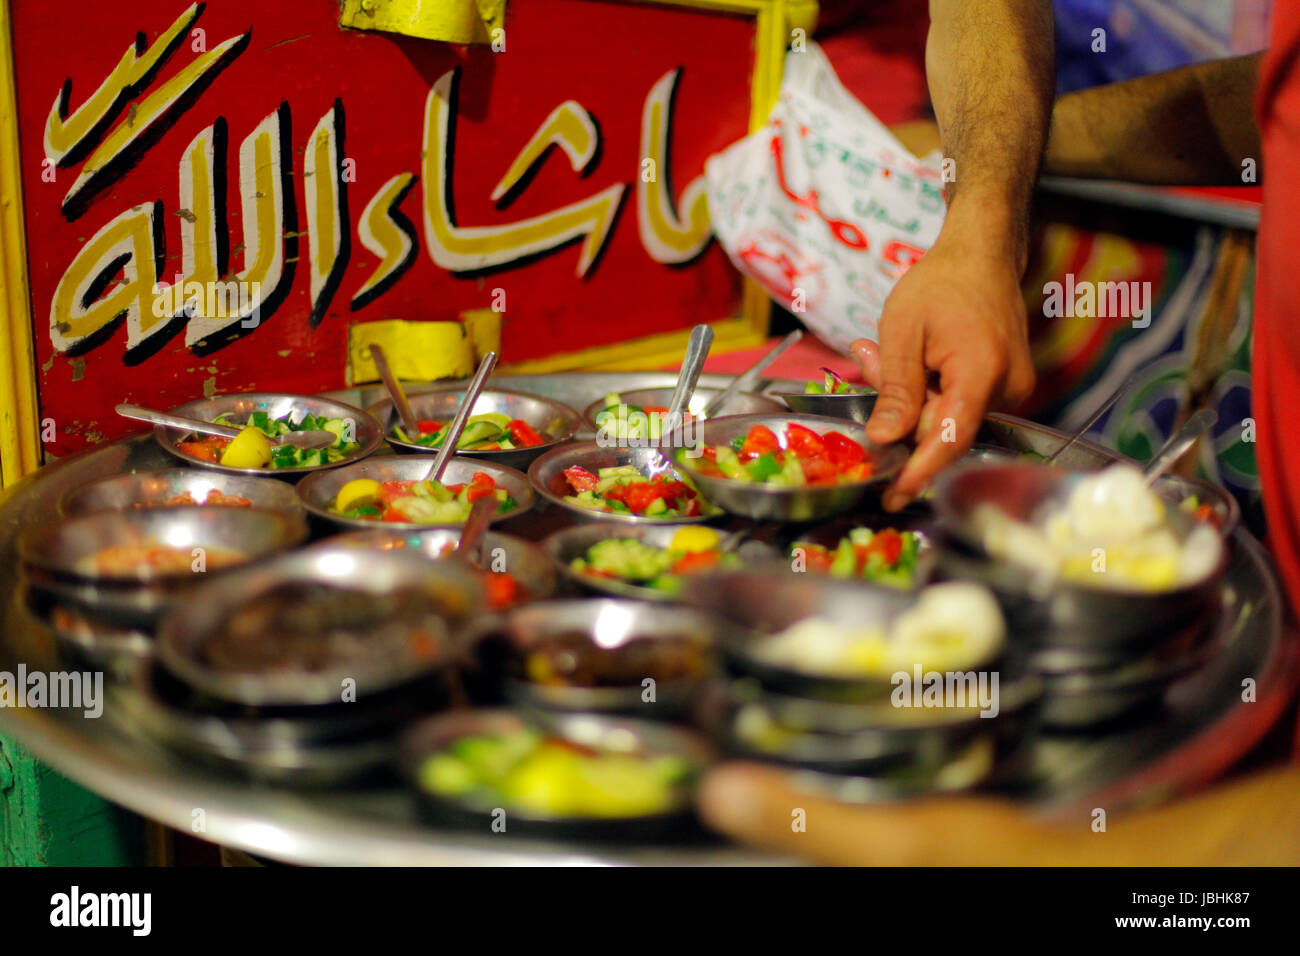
(214, 194)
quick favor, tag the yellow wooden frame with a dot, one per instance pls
(20, 447)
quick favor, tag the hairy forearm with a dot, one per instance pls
(1190, 126)
(990, 68)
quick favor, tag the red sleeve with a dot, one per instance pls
(1275, 360)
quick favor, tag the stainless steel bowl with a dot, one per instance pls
(275, 746)
(1176, 489)
(523, 560)
(368, 434)
(767, 600)
(552, 420)
(853, 407)
(764, 502)
(621, 735)
(574, 541)
(607, 624)
(915, 518)
(453, 592)
(55, 554)
(742, 403)
(153, 489)
(547, 477)
(85, 640)
(1040, 607)
(317, 491)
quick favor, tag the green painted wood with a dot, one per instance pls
(47, 820)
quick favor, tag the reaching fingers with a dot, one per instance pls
(901, 385)
(867, 353)
(949, 424)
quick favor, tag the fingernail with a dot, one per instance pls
(883, 429)
(895, 500)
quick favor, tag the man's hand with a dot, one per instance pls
(957, 315)
(953, 342)
(1249, 821)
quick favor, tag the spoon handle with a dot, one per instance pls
(697, 350)
(457, 425)
(409, 421)
(479, 518)
(1178, 443)
(139, 414)
(1093, 419)
(745, 380)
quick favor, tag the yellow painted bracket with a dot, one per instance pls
(424, 351)
(452, 21)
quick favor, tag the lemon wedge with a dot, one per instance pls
(248, 449)
(694, 539)
(356, 493)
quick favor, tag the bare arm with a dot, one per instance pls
(991, 71)
(956, 320)
(1187, 127)
(1190, 126)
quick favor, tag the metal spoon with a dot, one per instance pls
(410, 424)
(745, 380)
(310, 438)
(1093, 419)
(450, 440)
(652, 462)
(480, 516)
(1179, 442)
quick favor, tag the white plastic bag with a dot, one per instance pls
(823, 206)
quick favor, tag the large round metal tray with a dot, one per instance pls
(1205, 727)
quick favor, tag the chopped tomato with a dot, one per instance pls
(580, 479)
(859, 472)
(710, 454)
(818, 470)
(842, 450)
(390, 491)
(817, 558)
(392, 514)
(759, 441)
(480, 486)
(696, 562)
(888, 544)
(691, 508)
(428, 426)
(502, 589)
(1207, 514)
(640, 496)
(803, 442)
(655, 409)
(521, 433)
(203, 450)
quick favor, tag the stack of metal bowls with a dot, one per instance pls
(1103, 653)
(850, 726)
(302, 669)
